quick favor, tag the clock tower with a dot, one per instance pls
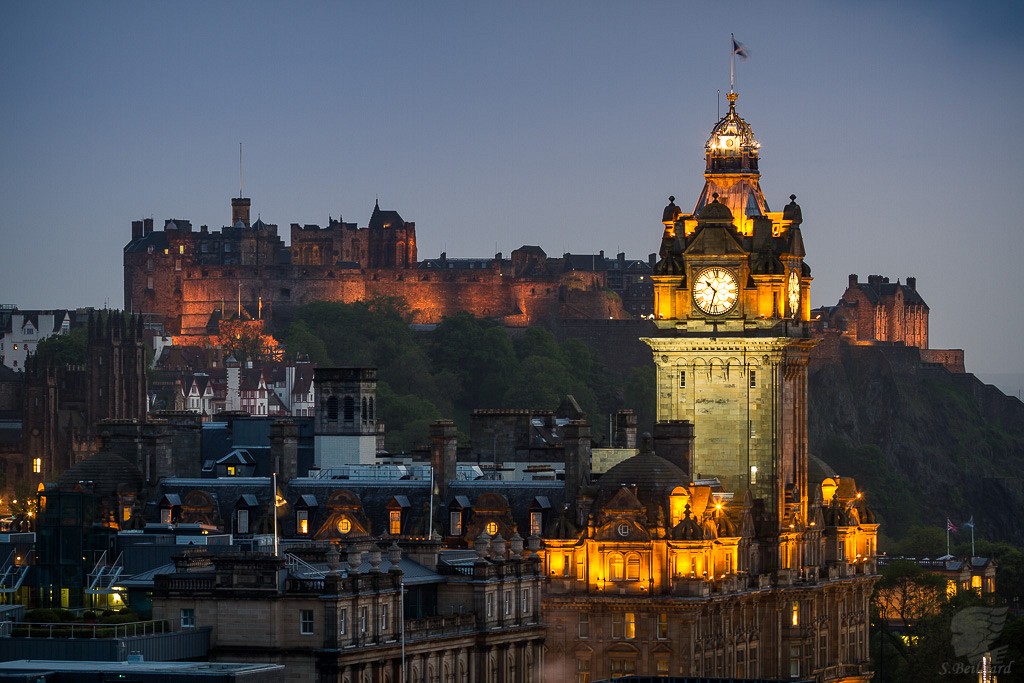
(731, 302)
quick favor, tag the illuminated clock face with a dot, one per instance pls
(715, 290)
(794, 294)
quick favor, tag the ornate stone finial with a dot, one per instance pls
(714, 196)
(671, 199)
(516, 545)
(792, 197)
(333, 558)
(374, 558)
(732, 96)
(498, 544)
(482, 545)
(394, 553)
(355, 559)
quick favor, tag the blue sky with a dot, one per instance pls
(494, 125)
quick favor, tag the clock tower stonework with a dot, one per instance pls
(731, 302)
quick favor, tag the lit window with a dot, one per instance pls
(753, 474)
(582, 671)
(615, 567)
(15, 347)
(126, 513)
(37, 465)
(395, 522)
(344, 526)
(630, 625)
(455, 519)
(492, 528)
(231, 470)
(181, 248)
(663, 627)
(303, 521)
(795, 610)
(536, 519)
(306, 622)
(633, 568)
(188, 618)
(165, 515)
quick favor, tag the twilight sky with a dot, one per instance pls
(493, 125)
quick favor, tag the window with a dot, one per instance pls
(536, 520)
(231, 470)
(662, 667)
(302, 521)
(332, 408)
(584, 625)
(243, 521)
(567, 564)
(633, 568)
(582, 671)
(629, 623)
(508, 603)
(343, 622)
(344, 526)
(362, 619)
(181, 248)
(492, 528)
(165, 515)
(524, 606)
(348, 409)
(616, 625)
(37, 465)
(615, 567)
(306, 622)
(795, 613)
(623, 667)
(753, 474)
(753, 379)
(395, 522)
(682, 379)
(455, 519)
(384, 618)
(663, 626)
(188, 617)
(490, 605)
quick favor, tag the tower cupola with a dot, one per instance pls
(732, 147)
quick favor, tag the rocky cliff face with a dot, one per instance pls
(923, 443)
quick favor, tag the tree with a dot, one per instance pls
(64, 349)
(246, 340)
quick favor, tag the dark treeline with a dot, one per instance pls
(462, 364)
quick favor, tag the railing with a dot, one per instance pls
(188, 583)
(134, 629)
(307, 585)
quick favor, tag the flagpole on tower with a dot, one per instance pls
(732, 61)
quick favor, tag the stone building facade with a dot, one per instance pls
(187, 278)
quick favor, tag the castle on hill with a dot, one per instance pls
(187, 278)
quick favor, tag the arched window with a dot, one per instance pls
(615, 567)
(332, 408)
(633, 568)
(364, 415)
(349, 408)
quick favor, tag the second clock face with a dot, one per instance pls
(715, 290)
(794, 294)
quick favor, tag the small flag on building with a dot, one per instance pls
(950, 526)
(739, 49)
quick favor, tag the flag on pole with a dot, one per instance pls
(739, 49)
(970, 523)
(950, 526)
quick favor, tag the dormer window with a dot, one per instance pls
(536, 521)
(395, 522)
(455, 520)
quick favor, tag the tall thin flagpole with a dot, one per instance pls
(732, 62)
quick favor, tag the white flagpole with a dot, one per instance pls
(732, 62)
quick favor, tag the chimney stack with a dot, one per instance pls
(673, 440)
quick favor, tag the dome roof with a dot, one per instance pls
(732, 134)
(107, 472)
(715, 211)
(652, 476)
